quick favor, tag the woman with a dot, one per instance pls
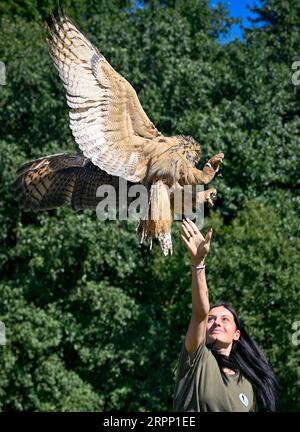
(220, 367)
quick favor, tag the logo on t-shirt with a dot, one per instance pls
(244, 399)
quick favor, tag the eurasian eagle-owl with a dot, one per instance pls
(117, 140)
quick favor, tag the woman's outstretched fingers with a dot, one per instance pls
(193, 229)
(196, 244)
(193, 226)
(186, 232)
(188, 227)
(208, 236)
(185, 240)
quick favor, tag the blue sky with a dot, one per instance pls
(238, 9)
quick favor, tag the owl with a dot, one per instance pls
(117, 141)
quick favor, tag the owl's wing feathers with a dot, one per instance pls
(106, 118)
(56, 180)
(46, 183)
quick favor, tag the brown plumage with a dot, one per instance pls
(117, 140)
(56, 180)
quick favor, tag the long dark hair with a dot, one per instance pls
(249, 361)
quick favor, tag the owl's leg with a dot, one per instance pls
(158, 220)
(209, 171)
(185, 199)
(209, 196)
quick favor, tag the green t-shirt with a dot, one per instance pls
(200, 387)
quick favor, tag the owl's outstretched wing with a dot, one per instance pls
(106, 117)
(56, 180)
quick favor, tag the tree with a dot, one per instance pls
(94, 321)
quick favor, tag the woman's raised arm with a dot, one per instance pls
(198, 248)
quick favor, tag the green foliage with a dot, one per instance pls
(94, 321)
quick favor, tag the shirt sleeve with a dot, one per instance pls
(186, 387)
(185, 358)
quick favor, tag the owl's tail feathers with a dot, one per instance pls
(56, 180)
(158, 220)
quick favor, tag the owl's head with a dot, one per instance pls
(190, 148)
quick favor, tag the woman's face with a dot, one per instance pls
(221, 329)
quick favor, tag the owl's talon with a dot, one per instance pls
(212, 198)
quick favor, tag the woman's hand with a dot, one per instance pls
(196, 244)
